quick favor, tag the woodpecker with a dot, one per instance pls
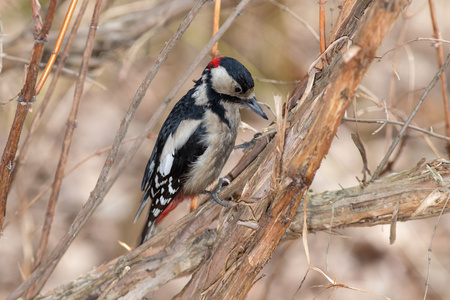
(196, 140)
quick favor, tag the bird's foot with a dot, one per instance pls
(214, 193)
(247, 145)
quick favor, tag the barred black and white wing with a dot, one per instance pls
(178, 146)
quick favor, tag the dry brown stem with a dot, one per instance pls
(323, 45)
(25, 100)
(180, 249)
(443, 80)
(22, 154)
(216, 22)
(57, 47)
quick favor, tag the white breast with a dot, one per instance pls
(220, 140)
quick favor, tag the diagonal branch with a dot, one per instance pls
(411, 116)
(172, 255)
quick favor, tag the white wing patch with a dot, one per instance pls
(174, 142)
(166, 165)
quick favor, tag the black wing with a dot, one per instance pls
(162, 189)
(158, 183)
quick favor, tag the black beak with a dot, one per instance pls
(253, 105)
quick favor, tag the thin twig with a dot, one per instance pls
(312, 70)
(216, 22)
(434, 40)
(304, 23)
(427, 283)
(301, 283)
(66, 71)
(394, 78)
(58, 44)
(380, 121)
(432, 147)
(440, 58)
(329, 48)
(273, 81)
(408, 121)
(67, 173)
(323, 45)
(333, 285)
(138, 44)
(36, 12)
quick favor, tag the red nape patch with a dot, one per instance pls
(214, 63)
(172, 205)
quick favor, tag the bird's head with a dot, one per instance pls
(230, 78)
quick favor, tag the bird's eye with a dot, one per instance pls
(237, 89)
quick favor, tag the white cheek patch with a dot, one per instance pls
(221, 81)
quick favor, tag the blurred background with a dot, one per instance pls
(273, 44)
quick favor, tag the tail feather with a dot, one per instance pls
(148, 231)
(144, 201)
(150, 227)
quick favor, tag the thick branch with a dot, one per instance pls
(240, 253)
(180, 249)
(375, 204)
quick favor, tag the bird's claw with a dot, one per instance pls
(247, 145)
(214, 193)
